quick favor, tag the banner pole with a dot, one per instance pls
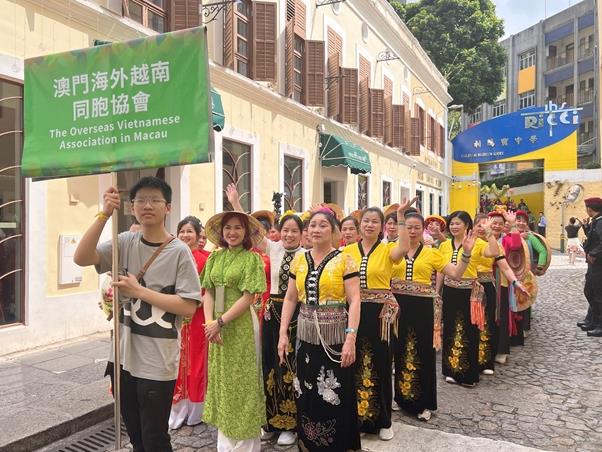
(116, 332)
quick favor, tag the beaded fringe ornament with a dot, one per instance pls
(330, 325)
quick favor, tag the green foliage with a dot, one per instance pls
(461, 38)
(526, 177)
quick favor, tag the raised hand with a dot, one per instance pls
(232, 193)
(405, 205)
(468, 241)
(510, 217)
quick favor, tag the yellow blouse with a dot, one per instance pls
(484, 264)
(421, 268)
(447, 249)
(330, 276)
(378, 267)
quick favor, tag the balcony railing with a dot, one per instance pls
(586, 95)
(560, 60)
(586, 51)
(585, 137)
(569, 98)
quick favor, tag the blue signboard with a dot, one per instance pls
(516, 133)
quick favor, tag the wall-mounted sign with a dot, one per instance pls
(516, 133)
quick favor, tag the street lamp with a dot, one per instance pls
(455, 107)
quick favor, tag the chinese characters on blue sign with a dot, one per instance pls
(516, 133)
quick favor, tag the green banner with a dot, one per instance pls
(129, 105)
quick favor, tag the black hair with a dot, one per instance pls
(192, 221)
(305, 225)
(380, 214)
(293, 217)
(572, 220)
(329, 217)
(152, 182)
(461, 215)
(356, 223)
(265, 223)
(391, 216)
(416, 215)
(411, 210)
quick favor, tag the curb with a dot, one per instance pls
(59, 431)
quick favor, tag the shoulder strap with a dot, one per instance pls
(154, 256)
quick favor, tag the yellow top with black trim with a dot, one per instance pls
(421, 267)
(322, 284)
(454, 255)
(376, 267)
(484, 264)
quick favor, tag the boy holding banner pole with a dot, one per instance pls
(158, 285)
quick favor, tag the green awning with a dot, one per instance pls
(218, 111)
(336, 151)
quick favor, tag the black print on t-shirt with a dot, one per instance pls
(147, 320)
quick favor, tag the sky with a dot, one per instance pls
(521, 14)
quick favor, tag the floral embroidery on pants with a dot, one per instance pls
(320, 433)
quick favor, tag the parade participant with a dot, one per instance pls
(277, 379)
(420, 319)
(593, 277)
(462, 304)
(159, 287)
(350, 230)
(536, 246)
(233, 275)
(306, 242)
(191, 384)
(375, 260)
(574, 247)
(325, 282)
(496, 316)
(203, 242)
(390, 223)
(435, 227)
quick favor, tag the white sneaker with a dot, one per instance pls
(450, 380)
(501, 359)
(386, 434)
(395, 407)
(266, 435)
(488, 372)
(287, 439)
(425, 415)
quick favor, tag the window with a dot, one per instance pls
(476, 115)
(420, 201)
(526, 100)
(12, 230)
(441, 205)
(499, 108)
(242, 37)
(293, 183)
(362, 192)
(431, 203)
(386, 193)
(236, 169)
(150, 13)
(526, 59)
(422, 125)
(298, 50)
(586, 46)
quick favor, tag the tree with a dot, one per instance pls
(461, 38)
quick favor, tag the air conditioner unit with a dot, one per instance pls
(115, 6)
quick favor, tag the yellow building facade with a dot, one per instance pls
(270, 141)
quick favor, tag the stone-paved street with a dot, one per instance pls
(548, 395)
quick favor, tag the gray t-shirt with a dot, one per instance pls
(150, 345)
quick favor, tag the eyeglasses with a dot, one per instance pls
(154, 202)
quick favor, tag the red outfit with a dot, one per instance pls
(268, 279)
(192, 376)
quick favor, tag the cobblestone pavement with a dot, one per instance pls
(547, 396)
